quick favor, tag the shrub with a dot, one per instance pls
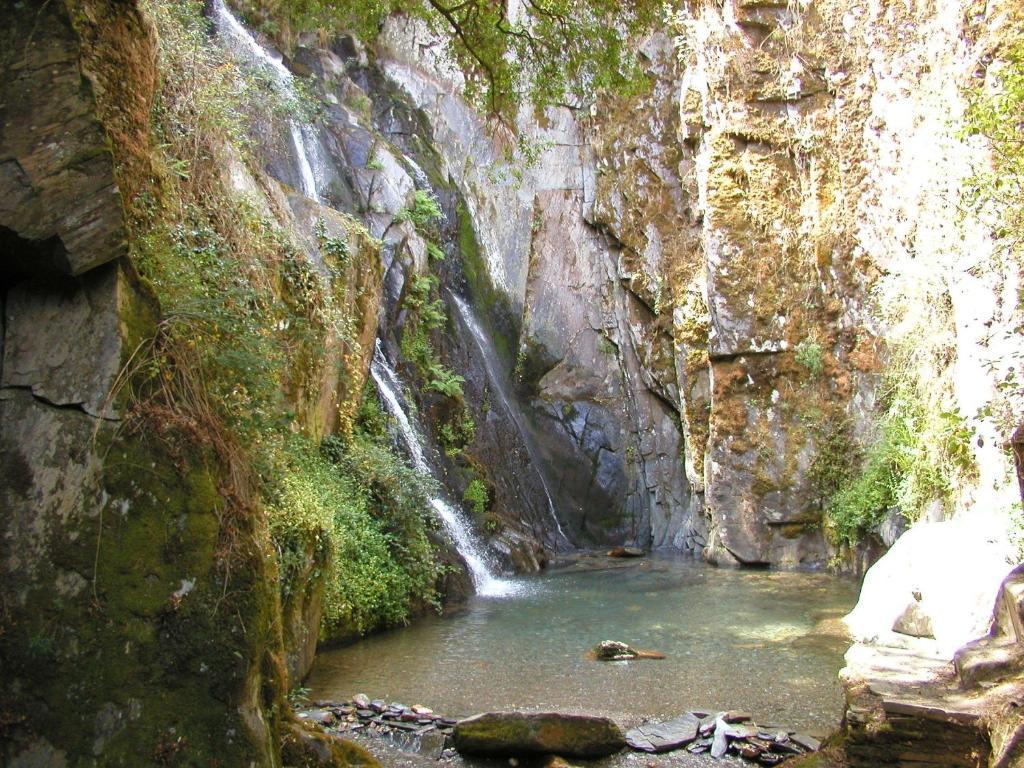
(809, 355)
(477, 498)
(362, 513)
(914, 462)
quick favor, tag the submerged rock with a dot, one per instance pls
(557, 762)
(613, 650)
(625, 552)
(516, 733)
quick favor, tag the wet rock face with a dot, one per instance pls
(584, 346)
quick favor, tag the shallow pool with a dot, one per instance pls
(762, 641)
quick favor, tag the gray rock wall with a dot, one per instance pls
(790, 182)
(601, 386)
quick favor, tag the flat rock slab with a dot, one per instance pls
(517, 733)
(663, 737)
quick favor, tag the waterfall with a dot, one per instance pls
(418, 174)
(467, 544)
(243, 42)
(490, 359)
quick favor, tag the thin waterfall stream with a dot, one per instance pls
(466, 542)
(243, 42)
(499, 382)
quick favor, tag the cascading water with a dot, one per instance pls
(490, 360)
(467, 544)
(242, 40)
(422, 180)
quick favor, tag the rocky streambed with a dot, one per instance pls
(424, 736)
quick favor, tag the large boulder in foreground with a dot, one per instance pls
(517, 733)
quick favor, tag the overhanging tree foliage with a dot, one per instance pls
(547, 51)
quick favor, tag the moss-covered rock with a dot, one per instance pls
(304, 746)
(518, 733)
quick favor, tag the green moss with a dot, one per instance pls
(158, 610)
(364, 517)
(303, 746)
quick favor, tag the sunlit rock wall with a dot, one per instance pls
(824, 145)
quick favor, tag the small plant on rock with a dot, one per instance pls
(809, 355)
(477, 498)
(424, 212)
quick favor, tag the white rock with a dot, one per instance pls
(957, 567)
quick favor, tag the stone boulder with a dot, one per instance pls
(951, 570)
(626, 552)
(663, 737)
(517, 733)
(613, 650)
(914, 621)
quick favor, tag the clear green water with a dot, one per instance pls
(760, 641)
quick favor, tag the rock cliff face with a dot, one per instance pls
(823, 142)
(708, 279)
(694, 293)
(593, 360)
(141, 610)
